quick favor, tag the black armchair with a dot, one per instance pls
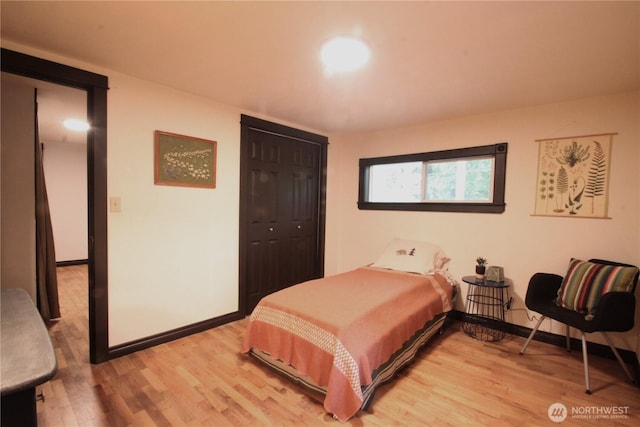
(615, 313)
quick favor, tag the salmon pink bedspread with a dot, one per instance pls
(339, 329)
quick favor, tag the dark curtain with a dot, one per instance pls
(46, 278)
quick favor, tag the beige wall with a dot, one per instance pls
(65, 171)
(521, 243)
(173, 251)
(18, 233)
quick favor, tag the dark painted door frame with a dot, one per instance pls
(248, 123)
(96, 86)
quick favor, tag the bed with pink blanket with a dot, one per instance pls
(342, 336)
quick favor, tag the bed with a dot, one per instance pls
(342, 336)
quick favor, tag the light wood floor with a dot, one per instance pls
(202, 380)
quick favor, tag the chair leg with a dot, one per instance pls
(615, 352)
(568, 334)
(535, 329)
(585, 361)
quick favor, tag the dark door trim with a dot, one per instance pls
(96, 86)
(247, 123)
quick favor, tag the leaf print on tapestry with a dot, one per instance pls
(573, 176)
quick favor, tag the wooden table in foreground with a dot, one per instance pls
(27, 357)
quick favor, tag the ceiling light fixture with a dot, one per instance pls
(344, 54)
(76, 124)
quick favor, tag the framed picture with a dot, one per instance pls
(573, 176)
(184, 161)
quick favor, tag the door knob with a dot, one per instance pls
(270, 228)
(299, 227)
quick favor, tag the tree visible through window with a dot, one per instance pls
(396, 182)
(459, 180)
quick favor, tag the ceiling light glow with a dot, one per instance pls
(76, 124)
(344, 54)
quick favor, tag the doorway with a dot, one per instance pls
(282, 208)
(96, 87)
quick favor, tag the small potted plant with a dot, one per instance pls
(481, 266)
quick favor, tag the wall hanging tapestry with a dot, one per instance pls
(184, 161)
(573, 176)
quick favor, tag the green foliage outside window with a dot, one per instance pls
(469, 180)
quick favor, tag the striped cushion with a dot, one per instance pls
(585, 282)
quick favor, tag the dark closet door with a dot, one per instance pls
(281, 215)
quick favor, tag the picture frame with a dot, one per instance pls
(184, 161)
(573, 176)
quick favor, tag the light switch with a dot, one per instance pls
(115, 205)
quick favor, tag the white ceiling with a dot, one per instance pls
(430, 60)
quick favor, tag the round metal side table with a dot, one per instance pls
(484, 309)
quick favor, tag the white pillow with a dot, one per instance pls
(413, 257)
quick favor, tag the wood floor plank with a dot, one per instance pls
(203, 380)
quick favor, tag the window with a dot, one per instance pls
(465, 180)
(460, 180)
